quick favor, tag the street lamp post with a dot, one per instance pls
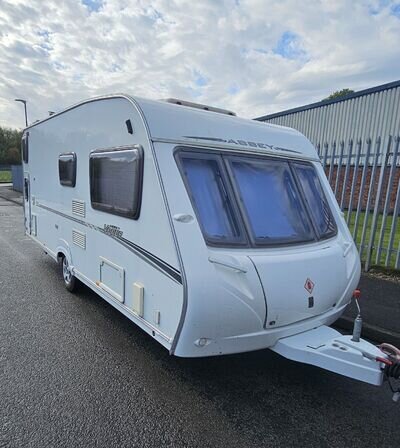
(26, 113)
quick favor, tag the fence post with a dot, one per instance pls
(354, 181)
(386, 207)
(362, 185)
(332, 162)
(339, 167)
(346, 174)
(377, 199)
(325, 155)
(393, 227)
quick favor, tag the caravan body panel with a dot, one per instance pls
(109, 253)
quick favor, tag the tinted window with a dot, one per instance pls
(211, 200)
(116, 181)
(67, 169)
(271, 201)
(264, 201)
(316, 200)
(25, 148)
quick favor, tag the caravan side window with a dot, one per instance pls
(116, 181)
(25, 147)
(67, 169)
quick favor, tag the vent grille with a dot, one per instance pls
(79, 238)
(78, 208)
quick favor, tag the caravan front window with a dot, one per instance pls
(255, 201)
(211, 198)
(316, 200)
(271, 202)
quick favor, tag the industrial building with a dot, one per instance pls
(369, 113)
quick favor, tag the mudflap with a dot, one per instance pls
(327, 348)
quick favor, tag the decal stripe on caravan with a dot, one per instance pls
(172, 272)
(145, 255)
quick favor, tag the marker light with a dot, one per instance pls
(357, 294)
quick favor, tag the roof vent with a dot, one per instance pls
(199, 106)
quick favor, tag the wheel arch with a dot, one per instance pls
(63, 250)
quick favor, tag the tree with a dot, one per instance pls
(10, 142)
(339, 94)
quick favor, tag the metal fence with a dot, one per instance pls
(17, 177)
(365, 177)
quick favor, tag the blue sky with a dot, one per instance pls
(289, 46)
(251, 56)
(93, 5)
(395, 9)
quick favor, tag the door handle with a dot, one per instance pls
(183, 217)
(346, 248)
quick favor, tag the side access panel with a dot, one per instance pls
(112, 279)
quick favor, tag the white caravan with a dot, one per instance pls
(212, 233)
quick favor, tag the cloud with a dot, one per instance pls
(251, 56)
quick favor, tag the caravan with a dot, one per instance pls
(214, 234)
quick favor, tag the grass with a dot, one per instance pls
(385, 240)
(5, 176)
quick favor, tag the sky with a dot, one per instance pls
(251, 56)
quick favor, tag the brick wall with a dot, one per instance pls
(367, 186)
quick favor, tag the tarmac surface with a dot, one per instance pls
(74, 372)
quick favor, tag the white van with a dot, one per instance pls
(214, 234)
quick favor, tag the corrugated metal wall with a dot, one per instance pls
(364, 116)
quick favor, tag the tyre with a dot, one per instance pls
(70, 281)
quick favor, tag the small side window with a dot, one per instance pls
(25, 147)
(116, 181)
(67, 169)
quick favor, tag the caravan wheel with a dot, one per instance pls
(70, 280)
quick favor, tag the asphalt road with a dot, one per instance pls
(75, 373)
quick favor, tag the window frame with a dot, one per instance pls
(233, 193)
(68, 183)
(134, 214)
(259, 242)
(320, 237)
(186, 152)
(25, 147)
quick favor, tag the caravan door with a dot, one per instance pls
(27, 204)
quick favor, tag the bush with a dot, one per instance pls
(10, 142)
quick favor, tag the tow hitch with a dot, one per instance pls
(350, 356)
(392, 359)
(392, 367)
